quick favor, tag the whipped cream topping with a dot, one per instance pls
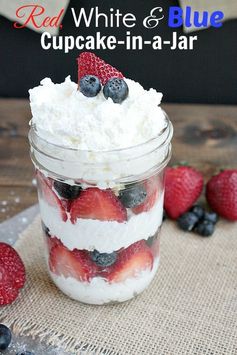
(64, 116)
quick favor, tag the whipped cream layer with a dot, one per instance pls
(103, 236)
(99, 291)
(64, 116)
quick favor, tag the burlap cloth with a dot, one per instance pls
(190, 307)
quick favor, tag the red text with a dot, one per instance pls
(35, 15)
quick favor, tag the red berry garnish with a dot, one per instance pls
(90, 64)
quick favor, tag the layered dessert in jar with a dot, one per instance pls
(100, 147)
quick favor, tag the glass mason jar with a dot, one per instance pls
(101, 215)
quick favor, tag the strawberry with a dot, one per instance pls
(183, 186)
(45, 186)
(76, 263)
(90, 64)
(52, 242)
(12, 274)
(8, 293)
(131, 261)
(221, 194)
(94, 203)
(12, 264)
(42, 177)
(151, 187)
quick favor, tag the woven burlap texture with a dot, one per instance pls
(190, 307)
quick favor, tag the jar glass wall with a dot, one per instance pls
(101, 215)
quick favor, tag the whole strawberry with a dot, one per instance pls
(221, 194)
(183, 186)
(12, 274)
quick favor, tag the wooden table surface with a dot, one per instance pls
(204, 136)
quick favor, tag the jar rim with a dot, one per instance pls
(166, 139)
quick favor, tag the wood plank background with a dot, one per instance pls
(205, 136)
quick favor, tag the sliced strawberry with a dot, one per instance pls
(76, 263)
(47, 180)
(45, 186)
(90, 64)
(152, 190)
(12, 264)
(131, 261)
(52, 242)
(94, 203)
(66, 204)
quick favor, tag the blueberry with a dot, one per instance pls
(5, 337)
(103, 259)
(198, 210)
(67, 191)
(116, 89)
(187, 221)
(211, 217)
(25, 353)
(133, 196)
(89, 85)
(205, 228)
